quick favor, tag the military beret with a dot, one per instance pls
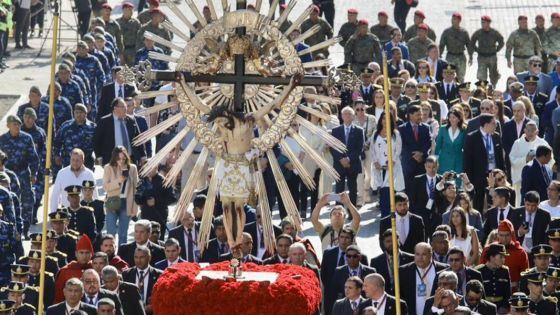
(382, 13)
(128, 4)
(80, 107)
(4, 177)
(450, 68)
(88, 38)
(13, 118)
(82, 44)
(457, 15)
(6, 305)
(59, 215)
(156, 10)
(423, 27)
(16, 286)
(73, 189)
(315, 9)
(519, 300)
(541, 250)
(522, 17)
(88, 184)
(531, 79)
(352, 11)
(495, 249)
(19, 269)
(99, 20)
(154, 3)
(363, 22)
(420, 14)
(539, 16)
(99, 36)
(107, 6)
(486, 18)
(516, 86)
(35, 89)
(553, 272)
(30, 112)
(555, 15)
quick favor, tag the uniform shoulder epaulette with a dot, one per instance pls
(479, 266)
(3, 289)
(475, 99)
(30, 306)
(88, 208)
(49, 273)
(53, 258)
(72, 235)
(61, 254)
(455, 101)
(22, 258)
(528, 270)
(31, 287)
(543, 94)
(551, 299)
(504, 267)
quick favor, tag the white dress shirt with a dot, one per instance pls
(69, 308)
(66, 177)
(381, 302)
(554, 210)
(506, 212)
(428, 281)
(403, 226)
(146, 276)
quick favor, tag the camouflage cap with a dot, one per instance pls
(30, 112)
(13, 118)
(80, 107)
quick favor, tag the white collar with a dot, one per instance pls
(379, 299)
(405, 217)
(70, 308)
(143, 270)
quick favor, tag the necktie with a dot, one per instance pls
(488, 144)
(124, 134)
(141, 284)
(431, 187)
(284, 261)
(121, 94)
(354, 304)
(441, 258)
(91, 300)
(261, 245)
(347, 133)
(447, 90)
(375, 304)
(354, 273)
(502, 214)
(190, 247)
(415, 131)
(341, 261)
(460, 283)
(402, 232)
(222, 248)
(433, 69)
(545, 175)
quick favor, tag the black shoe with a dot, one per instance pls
(35, 221)
(19, 47)
(27, 47)
(7, 54)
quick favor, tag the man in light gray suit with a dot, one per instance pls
(349, 304)
(544, 84)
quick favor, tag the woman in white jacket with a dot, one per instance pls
(522, 153)
(368, 123)
(380, 176)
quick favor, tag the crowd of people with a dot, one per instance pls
(476, 204)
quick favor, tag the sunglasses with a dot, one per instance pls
(353, 256)
(537, 65)
(359, 109)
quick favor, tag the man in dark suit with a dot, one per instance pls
(94, 292)
(348, 165)
(447, 88)
(243, 252)
(297, 254)
(187, 235)
(143, 275)
(255, 229)
(531, 222)
(118, 88)
(352, 297)
(410, 227)
(142, 232)
(115, 129)
(538, 175)
(485, 108)
(374, 288)
(366, 89)
(417, 278)
(283, 243)
(513, 130)
(502, 211)
(217, 246)
(335, 257)
(73, 292)
(128, 292)
(353, 268)
(437, 65)
(423, 194)
(483, 152)
(383, 263)
(172, 251)
(416, 142)
(397, 63)
(475, 299)
(456, 261)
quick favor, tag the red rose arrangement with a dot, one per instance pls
(295, 291)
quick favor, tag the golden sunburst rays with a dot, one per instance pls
(208, 213)
(157, 129)
(145, 111)
(310, 32)
(266, 212)
(175, 170)
(320, 46)
(286, 13)
(162, 41)
(188, 190)
(164, 152)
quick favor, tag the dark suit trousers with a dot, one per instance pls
(478, 200)
(83, 22)
(401, 12)
(327, 9)
(22, 26)
(352, 182)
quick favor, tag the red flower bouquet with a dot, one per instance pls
(295, 291)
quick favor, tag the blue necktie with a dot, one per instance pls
(545, 175)
(121, 94)
(124, 134)
(431, 188)
(488, 145)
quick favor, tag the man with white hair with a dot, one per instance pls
(523, 152)
(73, 293)
(94, 293)
(385, 304)
(513, 129)
(142, 232)
(128, 293)
(348, 164)
(297, 253)
(187, 235)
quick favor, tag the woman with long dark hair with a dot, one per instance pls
(464, 236)
(449, 142)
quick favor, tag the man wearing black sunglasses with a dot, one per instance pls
(534, 69)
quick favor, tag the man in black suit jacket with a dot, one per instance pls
(255, 229)
(94, 292)
(538, 175)
(142, 231)
(511, 132)
(475, 301)
(433, 56)
(483, 152)
(374, 288)
(352, 298)
(423, 194)
(172, 252)
(366, 89)
(108, 130)
(383, 263)
(143, 275)
(243, 252)
(217, 246)
(447, 88)
(408, 224)
(283, 243)
(456, 260)
(128, 293)
(502, 211)
(335, 290)
(531, 222)
(416, 142)
(117, 88)
(397, 63)
(411, 282)
(348, 165)
(189, 249)
(73, 292)
(486, 106)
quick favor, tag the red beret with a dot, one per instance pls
(419, 13)
(383, 13)
(283, 6)
(363, 22)
(352, 11)
(555, 15)
(128, 5)
(457, 15)
(486, 18)
(539, 16)
(522, 17)
(156, 10)
(106, 6)
(423, 27)
(315, 9)
(155, 3)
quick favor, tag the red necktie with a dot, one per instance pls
(415, 131)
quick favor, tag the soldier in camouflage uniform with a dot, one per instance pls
(523, 43)
(154, 26)
(412, 31)
(70, 88)
(487, 42)
(418, 46)
(325, 32)
(457, 40)
(7, 211)
(112, 27)
(540, 30)
(76, 133)
(90, 41)
(62, 106)
(362, 48)
(40, 107)
(349, 28)
(145, 16)
(551, 41)
(24, 161)
(94, 71)
(129, 27)
(7, 250)
(143, 54)
(39, 139)
(382, 29)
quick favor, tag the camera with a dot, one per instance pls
(125, 173)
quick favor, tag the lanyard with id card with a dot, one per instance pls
(421, 289)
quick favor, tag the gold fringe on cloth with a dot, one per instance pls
(206, 223)
(156, 130)
(186, 195)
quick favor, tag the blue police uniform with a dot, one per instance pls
(72, 91)
(104, 62)
(39, 139)
(71, 136)
(42, 114)
(81, 77)
(14, 182)
(9, 214)
(143, 54)
(96, 76)
(24, 161)
(110, 57)
(7, 253)
(62, 110)
(17, 211)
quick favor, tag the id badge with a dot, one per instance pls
(421, 290)
(429, 204)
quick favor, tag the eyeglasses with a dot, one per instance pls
(359, 109)
(537, 65)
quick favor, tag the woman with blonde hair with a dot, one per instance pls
(120, 178)
(464, 236)
(529, 109)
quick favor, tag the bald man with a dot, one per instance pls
(374, 288)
